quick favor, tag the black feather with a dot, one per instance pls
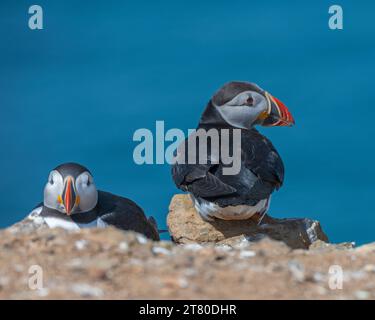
(262, 171)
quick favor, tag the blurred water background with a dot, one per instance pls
(99, 70)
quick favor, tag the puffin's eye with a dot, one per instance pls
(85, 180)
(249, 101)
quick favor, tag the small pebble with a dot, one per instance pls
(354, 275)
(141, 239)
(362, 295)
(247, 254)
(85, 290)
(81, 244)
(123, 246)
(43, 292)
(369, 268)
(183, 283)
(193, 246)
(190, 272)
(224, 248)
(318, 277)
(297, 271)
(160, 250)
(75, 263)
(321, 290)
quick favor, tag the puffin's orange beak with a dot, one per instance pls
(69, 196)
(278, 113)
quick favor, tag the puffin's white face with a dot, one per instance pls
(244, 109)
(69, 195)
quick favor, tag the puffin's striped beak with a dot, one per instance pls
(69, 196)
(278, 113)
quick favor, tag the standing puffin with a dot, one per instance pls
(71, 201)
(237, 105)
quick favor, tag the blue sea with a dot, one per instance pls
(99, 70)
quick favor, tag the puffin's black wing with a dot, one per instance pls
(125, 214)
(261, 172)
(261, 157)
(198, 180)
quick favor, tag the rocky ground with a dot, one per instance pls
(110, 264)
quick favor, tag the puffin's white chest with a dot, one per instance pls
(53, 222)
(66, 223)
(209, 210)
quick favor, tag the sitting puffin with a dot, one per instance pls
(237, 105)
(71, 201)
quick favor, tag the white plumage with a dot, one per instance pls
(209, 210)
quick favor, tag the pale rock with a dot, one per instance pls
(186, 226)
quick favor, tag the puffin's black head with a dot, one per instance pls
(70, 189)
(243, 105)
